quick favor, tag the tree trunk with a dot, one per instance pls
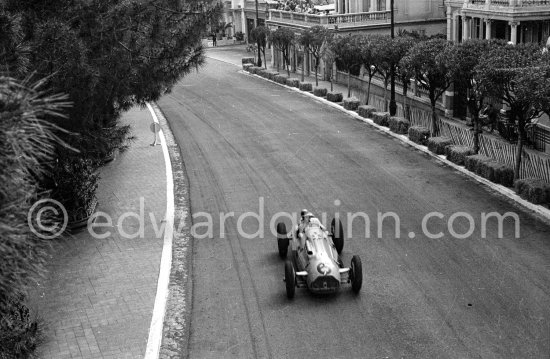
(385, 94)
(406, 109)
(265, 62)
(259, 54)
(316, 69)
(349, 86)
(368, 89)
(303, 64)
(477, 130)
(519, 150)
(435, 127)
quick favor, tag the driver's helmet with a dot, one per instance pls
(303, 212)
(308, 215)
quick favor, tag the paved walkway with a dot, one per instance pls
(98, 297)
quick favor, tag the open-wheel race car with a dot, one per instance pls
(314, 259)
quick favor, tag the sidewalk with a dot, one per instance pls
(98, 297)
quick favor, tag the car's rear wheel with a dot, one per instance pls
(282, 239)
(337, 231)
(290, 279)
(356, 273)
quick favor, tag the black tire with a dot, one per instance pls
(290, 279)
(356, 273)
(337, 231)
(282, 239)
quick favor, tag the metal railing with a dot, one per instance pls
(344, 20)
(511, 3)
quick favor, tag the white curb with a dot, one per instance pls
(157, 321)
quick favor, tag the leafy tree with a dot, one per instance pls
(27, 142)
(429, 62)
(282, 40)
(107, 56)
(314, 39)
(368, 59)
(384, 58)
(260, 35)
(402, 45)
(519, 78)
(348, 54)
(466, 57)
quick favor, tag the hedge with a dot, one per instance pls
(305, 86)
(320, 91)
(271, 74)
(247, 60)
(351, 103)
(366, 111)
(254, 69)
(419, 134)
(534, 190)
(292, 82)
(262, 72)
(437, 145)
(490, 169)
(281, 79)
(399, 125)
(381, 118)
(335, 96)
(247, 67)
(457, 153)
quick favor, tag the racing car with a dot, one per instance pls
(314, 259)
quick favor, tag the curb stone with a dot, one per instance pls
(175, 333)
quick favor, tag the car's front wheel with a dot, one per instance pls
(290, 279)
(356, 273)
(282, 239)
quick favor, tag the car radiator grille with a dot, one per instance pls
(327, 283)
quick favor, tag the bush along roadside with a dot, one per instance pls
(534, 190)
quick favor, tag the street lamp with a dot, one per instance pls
(393, 105)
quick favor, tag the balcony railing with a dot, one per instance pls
(511, 3)
(340, 20)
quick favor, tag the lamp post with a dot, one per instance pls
(393, 105)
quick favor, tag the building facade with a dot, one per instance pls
(516, 21)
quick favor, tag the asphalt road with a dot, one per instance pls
(247, 142)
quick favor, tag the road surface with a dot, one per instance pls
(253, 146)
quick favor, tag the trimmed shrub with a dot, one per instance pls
(457, 154)
(262, 72)
(247, 60)
(292, 82)
(419, 134)
(281, 79)
(534, 190)
(335, 96)
(320, 91)
(271, 75)
(305, 86)
(254, 69)
(381, 118)
(351, 103)
(366, 111)
(437, 145)
(247, 67)
(399, 125)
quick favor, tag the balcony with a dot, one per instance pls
(508, 9)
(340, 21)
